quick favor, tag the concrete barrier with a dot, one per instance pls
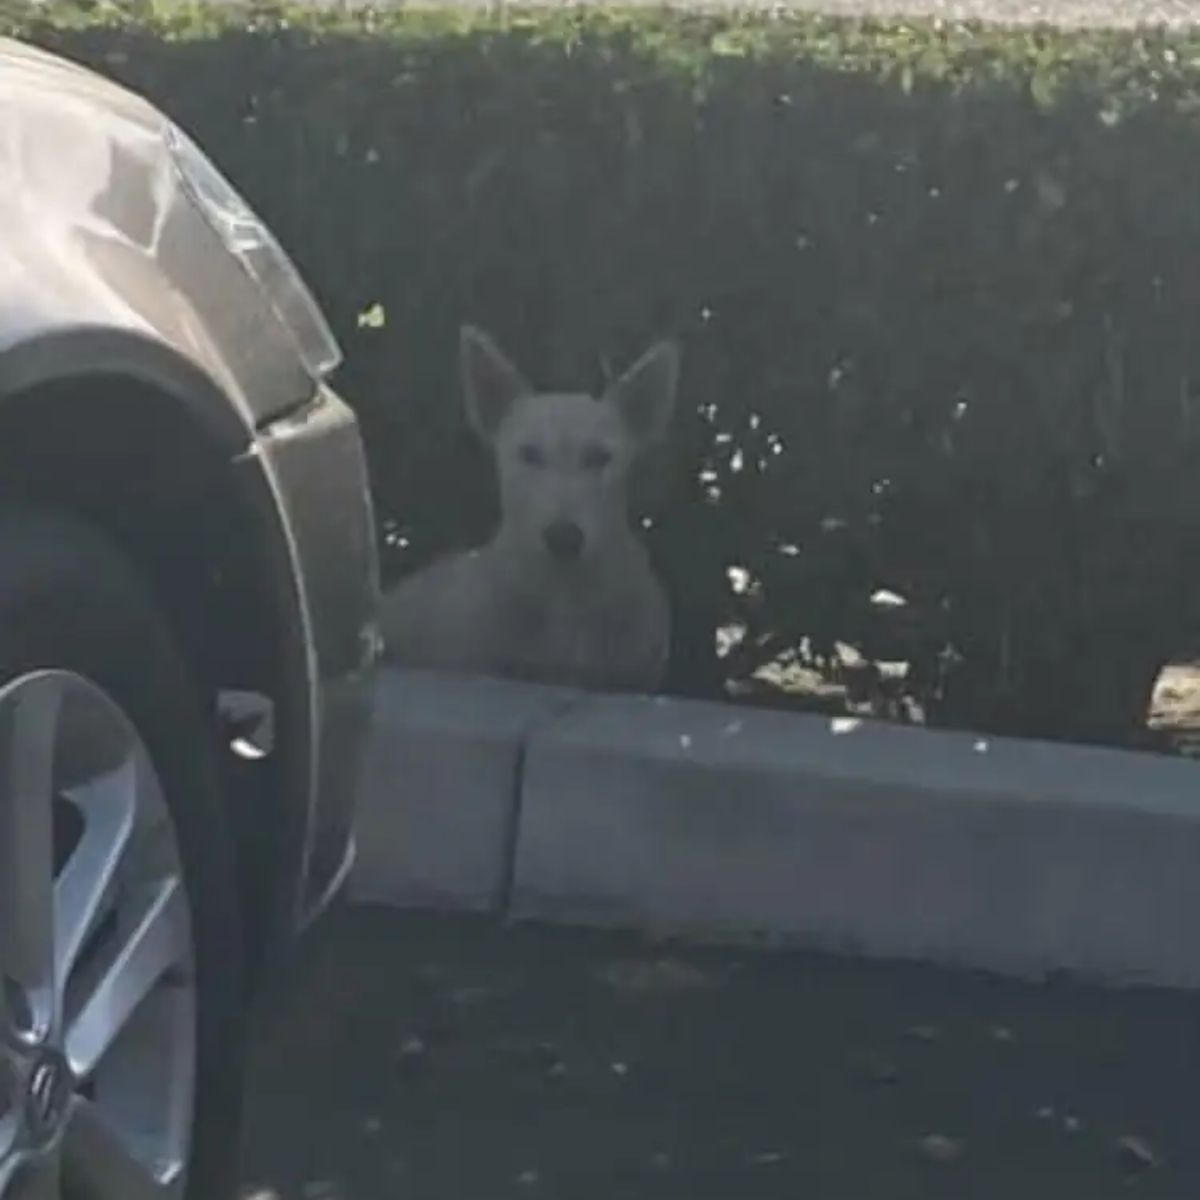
(726, 823)
(438, 803)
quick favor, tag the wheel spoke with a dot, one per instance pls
(28, 729)
(150, 948)
(9, 1166)
(98, 1166)
(108, 805)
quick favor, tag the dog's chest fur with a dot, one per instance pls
(472, 612)
(563, 631)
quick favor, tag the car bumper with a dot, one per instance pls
(317, 469)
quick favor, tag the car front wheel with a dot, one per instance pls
(120, 1021)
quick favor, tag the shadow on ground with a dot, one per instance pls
(444, 1059)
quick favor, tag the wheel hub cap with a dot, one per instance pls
(97, 993)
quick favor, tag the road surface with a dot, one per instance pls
(438, 1059)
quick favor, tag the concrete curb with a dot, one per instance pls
(438, 809)
(724, 823)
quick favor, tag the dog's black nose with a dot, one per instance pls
(564, 540)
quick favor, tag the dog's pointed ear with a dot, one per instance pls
(491, 383)
(645, 394)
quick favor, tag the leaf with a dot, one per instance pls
(725, 45)
(372, 318)
(1043, 88)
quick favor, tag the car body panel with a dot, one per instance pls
(115, 271)
(314, 464)
(110, 238)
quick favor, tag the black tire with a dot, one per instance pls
(70, 601)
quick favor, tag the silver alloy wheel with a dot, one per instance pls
(97, 983)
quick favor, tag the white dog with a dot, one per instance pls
(564, 592)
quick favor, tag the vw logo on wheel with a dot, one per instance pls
(46, 1096)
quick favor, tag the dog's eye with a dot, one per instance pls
(532, 455)
(596, 458)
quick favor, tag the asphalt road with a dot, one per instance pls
(437, 1059)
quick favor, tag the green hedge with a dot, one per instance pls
(939, 288)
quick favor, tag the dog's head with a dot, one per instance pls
(564, 459)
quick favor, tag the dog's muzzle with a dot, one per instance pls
(564, 540)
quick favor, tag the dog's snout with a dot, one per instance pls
(564, 540)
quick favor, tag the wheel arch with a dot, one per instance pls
(141, 445)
